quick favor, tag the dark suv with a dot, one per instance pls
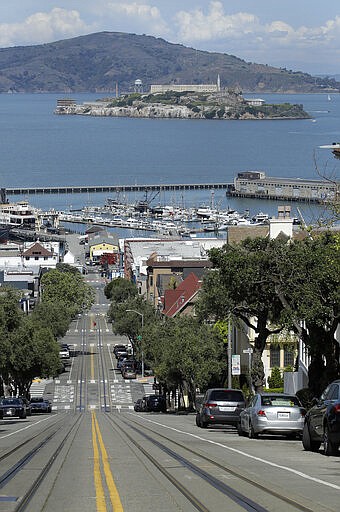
(220, 406)
(322, 422)
(155, 403)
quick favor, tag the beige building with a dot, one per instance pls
(256, 184)
(154, 89)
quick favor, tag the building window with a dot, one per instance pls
(275, 355)
(288, 357)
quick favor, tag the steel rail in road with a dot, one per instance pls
(16, 469)
(242, 500)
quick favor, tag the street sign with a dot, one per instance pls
(248, 350)
(236, 364)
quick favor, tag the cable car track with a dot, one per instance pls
(238, 497)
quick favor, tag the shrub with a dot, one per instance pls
(276, 379)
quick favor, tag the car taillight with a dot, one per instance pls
(303, 412)
(337, 408)
(209, 404)
(261, 412)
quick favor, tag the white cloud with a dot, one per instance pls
(43, 27)
(147, 17)
(214, 26)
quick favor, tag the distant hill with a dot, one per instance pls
(96, 62)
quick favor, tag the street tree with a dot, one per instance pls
(67, 287)
(130, 317)
(27, 348)
(33, 353)
(185, 354)
(120, 290)
(241, 284)
(54, 315)
(308, 285)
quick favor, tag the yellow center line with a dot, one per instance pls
(100, 496)
(114, 495)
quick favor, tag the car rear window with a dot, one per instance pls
(286, 401)
(11, 401)
(226, 395)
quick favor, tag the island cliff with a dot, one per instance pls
(228, 104)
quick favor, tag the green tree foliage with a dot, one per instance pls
(120, 289)
(27, 348)
(33, 352)
(185, 353)
(308, 284)
(129, 323)
(67, 287)
(291, 285)
(53, 315)
(241, 283)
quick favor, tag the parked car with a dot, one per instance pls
(119, 349)
(129, 373)
(139, 405)
(128, 363)
(40, 404)
(155, 403)
(64, 354)
(120, 361)
(322, 422)
(220, 406)
(28, 405)
(13, 408)
(272, 413)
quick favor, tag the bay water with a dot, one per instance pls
(39, 148)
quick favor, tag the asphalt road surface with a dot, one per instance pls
(93, 453)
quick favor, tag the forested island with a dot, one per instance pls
(227, 104)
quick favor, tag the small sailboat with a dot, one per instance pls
(329, 98)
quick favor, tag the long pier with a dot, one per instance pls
(23, 191)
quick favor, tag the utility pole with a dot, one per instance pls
(229, 351)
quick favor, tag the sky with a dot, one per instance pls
(301, 35)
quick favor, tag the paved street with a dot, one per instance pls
(94, 453)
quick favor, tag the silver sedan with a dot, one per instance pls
(272, 413)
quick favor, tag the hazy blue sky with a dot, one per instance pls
(296, 34)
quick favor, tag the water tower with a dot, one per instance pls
(138, 86)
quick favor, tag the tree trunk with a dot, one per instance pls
(257, 368)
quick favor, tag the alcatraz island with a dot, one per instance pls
(193, 101)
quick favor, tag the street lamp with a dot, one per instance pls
(142, 317)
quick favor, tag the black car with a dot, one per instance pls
(140, 405)
(155, 403)
(13, 408)
(322, 422)
(220, 406)
(40, 404)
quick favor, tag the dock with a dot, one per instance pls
(27, 191)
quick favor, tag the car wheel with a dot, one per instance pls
(204, 424)
(240, 431)
(307, 442)
(251, 432)
(198, 420)
(329, 448)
